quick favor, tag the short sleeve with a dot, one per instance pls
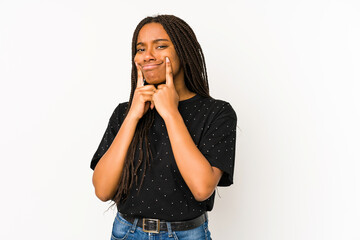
(218, 143)
(112, 129)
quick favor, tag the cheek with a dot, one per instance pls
(174, 58)
(176, 65)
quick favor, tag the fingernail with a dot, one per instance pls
(167, 59)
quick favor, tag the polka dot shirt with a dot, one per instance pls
(164, 193)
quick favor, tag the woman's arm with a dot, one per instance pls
(199, 175)
(108, 170)
(196, 170)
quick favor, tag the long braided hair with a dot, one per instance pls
(193, 63)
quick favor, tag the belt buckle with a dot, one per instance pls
(146, 222)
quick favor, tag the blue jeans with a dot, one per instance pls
(123, 229)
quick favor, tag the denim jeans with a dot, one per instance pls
(123, 229)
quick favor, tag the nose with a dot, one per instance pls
(148, 55)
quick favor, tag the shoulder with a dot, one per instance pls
(119, 112)
(122, 106)
(220, 108)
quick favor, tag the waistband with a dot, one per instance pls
(156, 225)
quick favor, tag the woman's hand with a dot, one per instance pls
(166, 98)
(143, 97)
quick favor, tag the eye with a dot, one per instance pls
(140, 50)
(162, 46)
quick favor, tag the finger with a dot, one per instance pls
(146, 92)
(140, 79)
(169, 74)
(161, 86)
(147, 98)
(141, 92)
(148, 88)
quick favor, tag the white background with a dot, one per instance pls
(290, 69)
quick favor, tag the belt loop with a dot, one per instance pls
(168, 224)
(133, 227)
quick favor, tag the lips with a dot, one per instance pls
(150, 66)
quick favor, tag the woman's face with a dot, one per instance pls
(152, 46)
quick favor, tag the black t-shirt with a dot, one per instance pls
(164, 193)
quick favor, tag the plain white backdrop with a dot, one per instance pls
(290, 69)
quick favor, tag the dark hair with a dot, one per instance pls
(193, 63)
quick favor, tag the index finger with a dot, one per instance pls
(169, 74)
(140, 78)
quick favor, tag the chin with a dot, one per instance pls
(155, 81)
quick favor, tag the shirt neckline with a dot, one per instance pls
(195, 97)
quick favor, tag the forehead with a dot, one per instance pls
(152, 31)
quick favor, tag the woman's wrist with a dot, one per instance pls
(170, 117)
(132, 118)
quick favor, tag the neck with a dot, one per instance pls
(181, 89)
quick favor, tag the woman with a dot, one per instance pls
(165, 151)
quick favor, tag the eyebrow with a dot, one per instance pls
(155, 41)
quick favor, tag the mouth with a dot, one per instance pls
(150, 66)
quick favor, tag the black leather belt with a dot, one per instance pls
(155, 225)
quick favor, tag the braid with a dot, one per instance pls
(193, 62)
(189, 52)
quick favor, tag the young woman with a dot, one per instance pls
(165, 151)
